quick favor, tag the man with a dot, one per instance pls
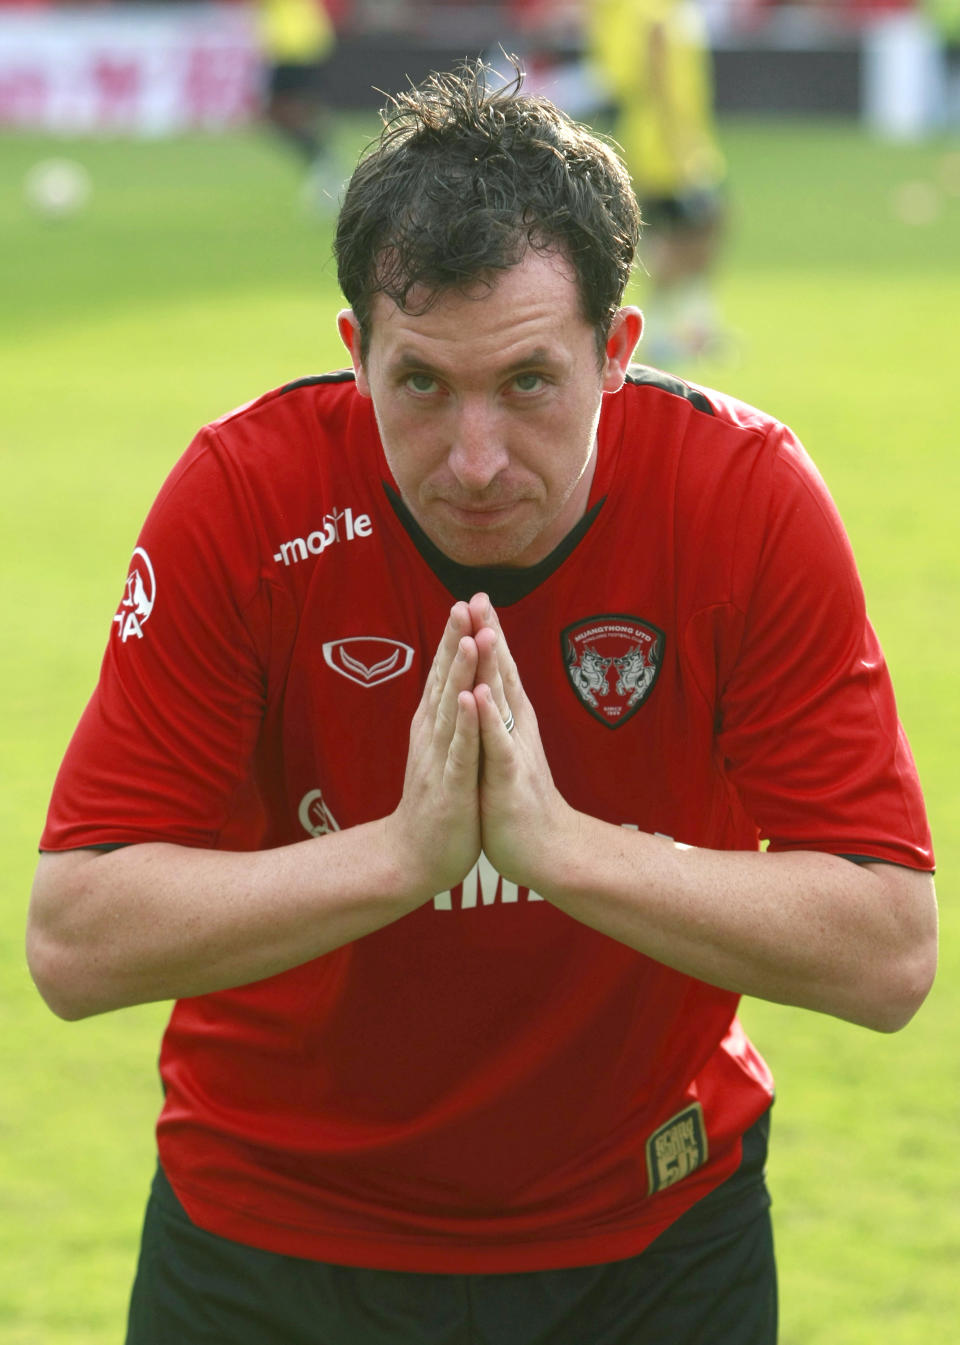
(446, 707)
(298, 41)
(654, 59)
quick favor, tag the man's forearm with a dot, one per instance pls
(158, 921)
(161, 921)
(854, 940)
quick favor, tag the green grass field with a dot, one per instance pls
(193, 281)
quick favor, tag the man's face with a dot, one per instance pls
(488, 404)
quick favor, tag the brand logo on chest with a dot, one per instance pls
(368, 660)
(612, 662)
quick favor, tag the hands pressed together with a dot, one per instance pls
(476, 775)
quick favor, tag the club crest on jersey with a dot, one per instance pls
(368, 660)
(139, 595)
(612, 662)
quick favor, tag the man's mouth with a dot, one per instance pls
(480, 515)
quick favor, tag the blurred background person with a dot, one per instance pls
(298, 39)
(653, 59)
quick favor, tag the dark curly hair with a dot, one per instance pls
(463, 179)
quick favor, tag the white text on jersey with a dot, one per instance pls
(340, 525)
(482, 884)
(480, 888)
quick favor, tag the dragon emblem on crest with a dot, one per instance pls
(612, 663)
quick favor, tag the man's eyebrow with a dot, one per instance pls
(540, 355)
(407, 361)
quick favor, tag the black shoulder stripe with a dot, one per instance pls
(338, 376)
(643, 375)
(873, 859)
(104, 848)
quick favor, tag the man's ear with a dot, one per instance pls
(625, 331)
(349, 329)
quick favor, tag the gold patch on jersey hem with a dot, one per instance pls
(676, 1148)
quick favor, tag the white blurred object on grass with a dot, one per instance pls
(57, 188)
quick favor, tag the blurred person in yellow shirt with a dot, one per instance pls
(654, 62)
(297, 39)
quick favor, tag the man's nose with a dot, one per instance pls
(478, 453)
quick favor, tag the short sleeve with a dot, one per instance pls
(808, 728)
(164, 747)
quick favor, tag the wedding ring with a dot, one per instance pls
(508, 723)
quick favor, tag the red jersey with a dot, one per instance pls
(485, 1084)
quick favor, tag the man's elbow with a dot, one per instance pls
(55, 974)
(904, 988)
(902, 975)
(61, 950)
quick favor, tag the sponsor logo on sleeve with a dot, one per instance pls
(612, 663)
(368, 660)
(139, 596)
(677, 1148)
(315, 817)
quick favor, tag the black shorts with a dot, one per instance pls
(308, 81)
(690, 212)
(709, 1280)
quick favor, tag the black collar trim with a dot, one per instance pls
(504, 585)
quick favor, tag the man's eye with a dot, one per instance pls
(528, 382)
(421, 383)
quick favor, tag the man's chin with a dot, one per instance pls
(483, 542)
(483, 553)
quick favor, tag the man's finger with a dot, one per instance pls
(496, 730)
(461, 676)
(483, 613)
(458, 625)
(488, 644)
(507, 675)
(462, 767)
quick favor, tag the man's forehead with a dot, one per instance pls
(537, 285)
